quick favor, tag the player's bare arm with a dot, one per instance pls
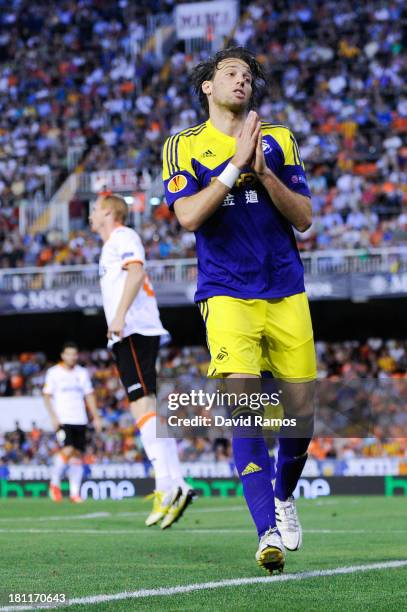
(91, 404)
(51, 411)
(194, 210)
(134, 281)
(295, 207)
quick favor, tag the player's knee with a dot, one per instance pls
(143, 406)
(298, 398)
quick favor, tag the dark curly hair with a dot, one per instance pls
(205, 71)
(69, 344)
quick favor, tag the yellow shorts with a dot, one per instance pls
(252, 336)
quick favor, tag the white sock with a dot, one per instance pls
(156, 451)
(177, 478)
(58, 468)
(75, 476)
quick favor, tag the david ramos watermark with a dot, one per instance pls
(217, 420)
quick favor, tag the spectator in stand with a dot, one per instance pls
(19, 436)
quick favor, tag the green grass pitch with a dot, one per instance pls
(103, 547)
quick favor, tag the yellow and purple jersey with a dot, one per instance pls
(247, 248)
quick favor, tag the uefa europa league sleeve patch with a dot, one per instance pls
(177, 183)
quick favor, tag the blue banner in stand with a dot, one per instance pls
(328, 286)
(379, 285)
(50, 300)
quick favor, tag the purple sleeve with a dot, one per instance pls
(180, 185)
(294, 178)
(286, 165)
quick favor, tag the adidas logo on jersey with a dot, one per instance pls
(250, 469)
(208, 153)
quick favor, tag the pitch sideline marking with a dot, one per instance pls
(138, 530)
(106, 514)
(201, 586)
(75, 517)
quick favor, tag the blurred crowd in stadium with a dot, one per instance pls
(337, 362)
(161, 238)
(90, 80)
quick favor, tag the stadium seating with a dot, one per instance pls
(337, 93)
(89, 82)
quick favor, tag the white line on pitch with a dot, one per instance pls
(193, 510)
(135, 531)
(56, 517)
(135, 513)
(184, 531)
(102, 515)
(203, 586)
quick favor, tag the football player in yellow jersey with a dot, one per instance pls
(239, 184)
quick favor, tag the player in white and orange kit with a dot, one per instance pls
(134, 330)
(67, 392)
